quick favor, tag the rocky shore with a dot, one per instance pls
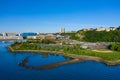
(81, 58)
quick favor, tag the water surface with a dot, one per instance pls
(88, 70)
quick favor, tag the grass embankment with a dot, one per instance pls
(110, 56)
(76, 50)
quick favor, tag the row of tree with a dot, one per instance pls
(102, 36)
(43, 41)
(71, 35)
(35, 46)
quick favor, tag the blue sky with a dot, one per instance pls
(51, 15)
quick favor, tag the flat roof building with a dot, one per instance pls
(10, 34)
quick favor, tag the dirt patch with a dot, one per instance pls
(104, 51)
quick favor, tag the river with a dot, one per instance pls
(27, 66)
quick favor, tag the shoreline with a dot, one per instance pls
(81, 58)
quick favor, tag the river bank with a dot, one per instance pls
(81, 58)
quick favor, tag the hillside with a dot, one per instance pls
(96, 36)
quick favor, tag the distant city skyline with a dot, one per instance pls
(52, 15)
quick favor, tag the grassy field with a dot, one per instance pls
(111, 56)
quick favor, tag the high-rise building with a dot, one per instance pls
(4, 34)
(62, 30)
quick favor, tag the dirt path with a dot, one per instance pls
(104, 51)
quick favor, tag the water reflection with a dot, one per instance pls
(44, 55)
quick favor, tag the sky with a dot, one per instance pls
(51, 15)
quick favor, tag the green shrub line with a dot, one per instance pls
(76, 49)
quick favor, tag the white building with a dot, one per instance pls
(105, 29)
(101, 29)
(10, 36)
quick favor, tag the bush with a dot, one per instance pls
(115, 46)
